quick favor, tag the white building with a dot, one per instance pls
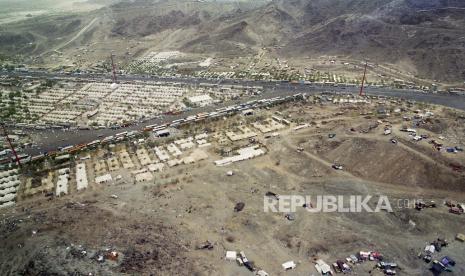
(103, 179)
(81, 176)
(62, 184)
(201, 100)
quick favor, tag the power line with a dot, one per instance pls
(363, 80)
(11, 145)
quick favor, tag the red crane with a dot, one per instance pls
(113, 68)
(363, 80)
(11, 145)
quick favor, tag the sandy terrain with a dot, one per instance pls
(156, 227)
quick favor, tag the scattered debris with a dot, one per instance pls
(389, 271)
(113, 255)
(290, 216)
(206, 245)
(100, 259)
(239, 206)
(427, 258)
(272, 195)
(460, 237)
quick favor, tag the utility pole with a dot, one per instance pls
(11, 145)
(363, 80)
(113, 68)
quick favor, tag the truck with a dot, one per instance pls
(455, 210)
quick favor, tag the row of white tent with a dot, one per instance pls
(9, 183)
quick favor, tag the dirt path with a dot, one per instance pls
(81, 32)
(401, 190)
(316, 158)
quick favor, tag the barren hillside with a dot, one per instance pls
(429, 36)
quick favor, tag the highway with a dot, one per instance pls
(49, 140)
(409, 94)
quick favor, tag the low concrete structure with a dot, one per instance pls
(184, 141)
(198, 155)
(144, 177)
(242, 133)
(188, 160)
(161, 154)
(81, 177)
(173, 150)
(126, 160)
(244, 154)
(201, 100)
(187, 145)
(113, 164)
(158, 167)
(143, 156)
(201, 136)
(202, 141)
(174, 162)
(231, 255)
(62, 184)
(268, 125)
(103, 179)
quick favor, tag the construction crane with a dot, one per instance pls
(113, 66)
(11, 145)
(363, 80)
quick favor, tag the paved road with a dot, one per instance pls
(441, 99)
(52, 139)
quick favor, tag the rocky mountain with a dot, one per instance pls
(429, 36)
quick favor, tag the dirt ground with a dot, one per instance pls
(155, 228)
